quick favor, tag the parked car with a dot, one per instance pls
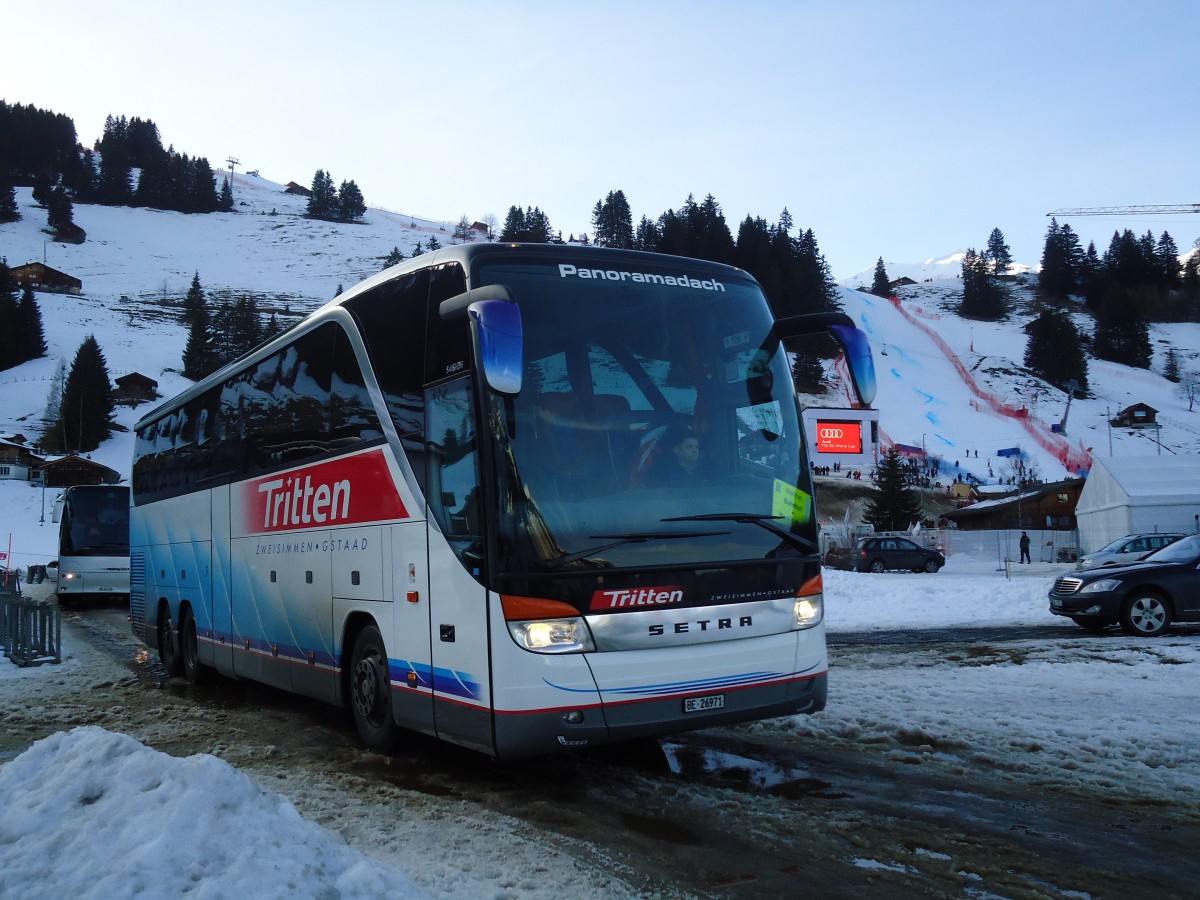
(1144, 597)
(1127, 549)
(878, 554)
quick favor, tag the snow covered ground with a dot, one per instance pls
(1108, 714)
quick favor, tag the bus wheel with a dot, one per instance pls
(371, 692)
(193, 671)
(168, 652)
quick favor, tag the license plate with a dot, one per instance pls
(103, 589)
(703, 704)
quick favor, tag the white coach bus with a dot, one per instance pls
(93, 542)
(520, 497)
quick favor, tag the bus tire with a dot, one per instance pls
(371, 692)
(168, 650)
(193, 670)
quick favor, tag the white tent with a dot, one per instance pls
(1124, 495)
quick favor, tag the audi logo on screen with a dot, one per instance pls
(839, 437)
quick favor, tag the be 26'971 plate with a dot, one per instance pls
(703, 704)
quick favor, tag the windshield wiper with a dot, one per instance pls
(619, 540)
(763, 520)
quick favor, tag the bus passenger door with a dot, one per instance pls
(458, 601)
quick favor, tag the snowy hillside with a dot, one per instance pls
(934, 269)
(942, 379)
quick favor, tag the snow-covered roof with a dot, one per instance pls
(1169, 476)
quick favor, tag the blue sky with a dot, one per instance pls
(902, 130)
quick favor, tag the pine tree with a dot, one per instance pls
(60, 215)
(982, 297)
(1171, 367)
(895, 506)
(808, 375)
(880, 286)
(394, 258)
(1054, 351)
(198, 359)
(9, 211)
(1122, 335)
(1167, 255)
(1059, 275)
(350, 202)
(225, 201)
(612, 222)
(10, 351)
(194, 303)
(87, 402)
(998, 254)
(116, 182)
(323, 201)
(31, 334)
(433, 243)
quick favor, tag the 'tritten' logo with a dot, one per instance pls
(634, 598)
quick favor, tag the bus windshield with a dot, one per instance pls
(657, 423)
(95, 522)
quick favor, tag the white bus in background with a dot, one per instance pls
(93, 542)
(451, 500)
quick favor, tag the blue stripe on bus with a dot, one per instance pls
(443, 681)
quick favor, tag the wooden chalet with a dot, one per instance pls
(40, 277)
(71, 470)
(300, 190)
(1049, 507)
(135, 388)
(17, 461)
(1139, 415)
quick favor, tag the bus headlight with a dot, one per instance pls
(553, 635)
(808, 611)
(810, 603)
(546, 626)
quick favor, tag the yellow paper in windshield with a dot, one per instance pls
(791, 504)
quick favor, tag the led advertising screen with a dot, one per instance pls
(835, 436)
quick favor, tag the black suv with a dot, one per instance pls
(878, 554)
(1145, 597)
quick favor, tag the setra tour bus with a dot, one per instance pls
(93, 542)
(518, 497)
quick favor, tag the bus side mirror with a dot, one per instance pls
(497, 326)
(851, 339)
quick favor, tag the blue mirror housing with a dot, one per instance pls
(500, 336)
(850, 338)
(858, 359)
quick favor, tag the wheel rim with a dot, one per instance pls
(190, 653)
(166, 646)
(877, 566)
(1147, 615)
(368, 681)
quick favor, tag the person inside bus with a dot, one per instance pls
(679, 462)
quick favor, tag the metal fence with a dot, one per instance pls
(30, 631)
(1000, 545)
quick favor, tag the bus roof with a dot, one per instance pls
(465, 254)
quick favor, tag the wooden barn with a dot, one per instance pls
(135, 388)
(40, 277)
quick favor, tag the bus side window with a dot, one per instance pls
(391, 321)
(449, 342)
(453, 478)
